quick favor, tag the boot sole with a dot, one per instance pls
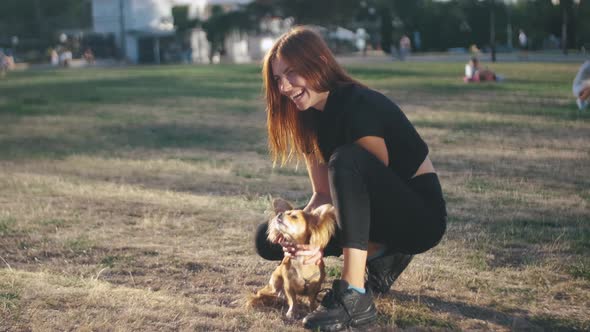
(359, 320)
(365, 318)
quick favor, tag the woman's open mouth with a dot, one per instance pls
(297, 96)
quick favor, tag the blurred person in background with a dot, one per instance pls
(3, 63)
(89, 56)
(523, 43)
(405, 46)
(474, 73)
(53, 57)
(581, 86)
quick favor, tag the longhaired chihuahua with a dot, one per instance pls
(292, 277)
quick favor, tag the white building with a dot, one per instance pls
(141, 26)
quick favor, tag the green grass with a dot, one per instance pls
(8, 300)
(560, 324)
(79, 245)
(7, 226)
(580, 270)
(128, 198)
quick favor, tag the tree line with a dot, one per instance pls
(440, 25)
(444, 25)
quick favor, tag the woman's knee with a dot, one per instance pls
(261, 237)
(264, 248)
(346, 157)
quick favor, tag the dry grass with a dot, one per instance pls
(128, 199)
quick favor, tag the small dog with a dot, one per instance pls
(292, 277)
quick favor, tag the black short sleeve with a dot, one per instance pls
(354, 111)
(365, 122)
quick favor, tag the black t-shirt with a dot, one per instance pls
(353, 111)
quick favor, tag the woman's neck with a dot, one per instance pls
(322, 103)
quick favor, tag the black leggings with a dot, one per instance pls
(374, 204)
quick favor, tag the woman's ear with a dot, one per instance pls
(281, 205)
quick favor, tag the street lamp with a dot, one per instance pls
(564, 22)
(493, 30)
(14, 40)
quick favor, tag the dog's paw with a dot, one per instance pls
(290, 314)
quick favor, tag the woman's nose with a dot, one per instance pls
(284, 85)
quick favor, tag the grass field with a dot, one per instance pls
(129, 197)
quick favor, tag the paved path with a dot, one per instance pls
(379, 57)
(375, 57)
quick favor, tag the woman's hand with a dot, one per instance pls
(311, 254)
(585, 94)
(317, 199)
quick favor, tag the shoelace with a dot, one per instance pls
(330, 300)
(327, 297)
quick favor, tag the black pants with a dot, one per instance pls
(374, 204)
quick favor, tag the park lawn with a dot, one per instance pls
(129, 197)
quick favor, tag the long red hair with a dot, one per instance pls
(292, 133)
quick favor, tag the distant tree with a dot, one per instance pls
(42, 19)
(547, 20)
(221, 23)
(322, 12)
(386, 30)
(182, 22)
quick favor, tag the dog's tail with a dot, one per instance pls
(266, 297)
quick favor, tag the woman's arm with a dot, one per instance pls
(582, 76)
(318, 175)
(376, 146)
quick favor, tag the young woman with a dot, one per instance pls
(364, 157)
(473, 73)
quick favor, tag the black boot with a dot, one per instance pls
(341, 308)
(383, 271)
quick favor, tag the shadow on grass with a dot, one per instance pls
(509, 318)
(40, 98)
(119, 139)
(43, 94)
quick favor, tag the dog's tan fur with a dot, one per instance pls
(292, 277)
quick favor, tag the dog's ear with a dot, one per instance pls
(281, 205)
(325, 211)
(324, 227)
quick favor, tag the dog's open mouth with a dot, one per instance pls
(281, 226)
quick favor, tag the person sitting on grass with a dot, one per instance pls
(581, 86)
(365, 157)
(474, 73)
(3, 63)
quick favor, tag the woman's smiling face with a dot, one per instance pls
(292, 85)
